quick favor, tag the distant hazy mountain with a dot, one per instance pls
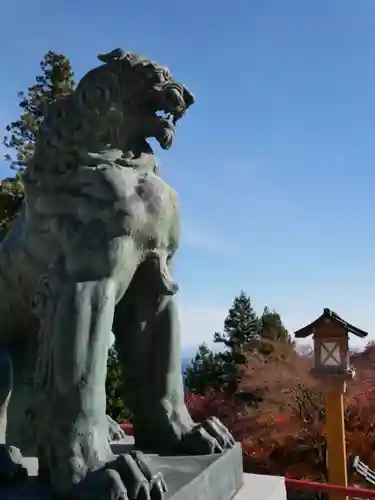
(185, 362)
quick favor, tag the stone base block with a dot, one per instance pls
(207, 477)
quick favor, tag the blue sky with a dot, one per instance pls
(274, 163)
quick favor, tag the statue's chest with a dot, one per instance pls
(141, 202)
(144, 195)
(156, 196)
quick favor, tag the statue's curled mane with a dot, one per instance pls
(100, 114)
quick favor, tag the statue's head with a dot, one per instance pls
(136, 97)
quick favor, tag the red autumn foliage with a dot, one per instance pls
(234, 415)
(128, 428)
(284, 433)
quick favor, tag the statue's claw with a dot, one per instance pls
(209, 437)
(105, 484)
(115, 433)
(126, 477)
(218, 430)
(12, 470)
(141, 483)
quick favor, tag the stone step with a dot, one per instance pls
(205, 477)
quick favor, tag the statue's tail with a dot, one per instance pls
(6, 385)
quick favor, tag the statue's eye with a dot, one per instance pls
(157, 76)
(152, 74)
(167, 74)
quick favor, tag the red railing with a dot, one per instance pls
(351, 491)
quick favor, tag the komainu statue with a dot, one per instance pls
(92, 251)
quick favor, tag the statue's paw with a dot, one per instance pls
(104, 484)
(209, 437)
(12, 469)
(128, 477)
(115, 433)
(141, 482)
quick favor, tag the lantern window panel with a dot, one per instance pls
(330, 354)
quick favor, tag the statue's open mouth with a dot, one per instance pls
(175, 101)
(166, 128)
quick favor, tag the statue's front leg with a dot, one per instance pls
(12, 470)
(68, 411)
(6, 385)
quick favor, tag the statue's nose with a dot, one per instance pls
(188, 97)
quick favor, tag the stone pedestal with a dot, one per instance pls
(207, 477)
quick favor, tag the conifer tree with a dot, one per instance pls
(272, 330)
(114, 389)
(11, 196)
(205, 371)
(241, 330)
(56, 81)
(241, 334)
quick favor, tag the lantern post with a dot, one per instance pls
(331, 367)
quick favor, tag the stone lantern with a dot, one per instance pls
(331, 349)
(331, 368)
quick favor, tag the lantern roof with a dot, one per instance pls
(332, 316)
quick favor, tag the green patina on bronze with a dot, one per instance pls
(93, 249)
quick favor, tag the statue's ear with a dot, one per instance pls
(115, 55)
